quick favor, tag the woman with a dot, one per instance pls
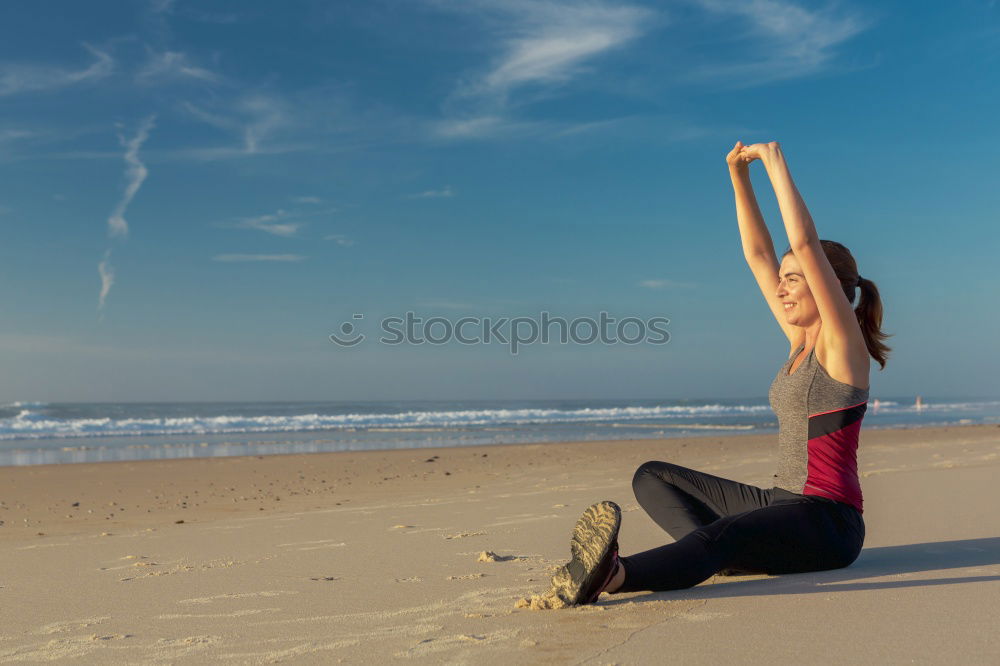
(811, 520)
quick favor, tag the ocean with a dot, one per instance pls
(33, 433)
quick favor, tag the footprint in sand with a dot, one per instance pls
(313, 545)
(110, 637)
(70, 625)
(490, 556)
(205, 616)
(462, 535)
(445, 643)
(267, 594)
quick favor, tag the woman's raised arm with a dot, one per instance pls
(758, 249)
(841, 331)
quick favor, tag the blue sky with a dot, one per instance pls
(196, 194)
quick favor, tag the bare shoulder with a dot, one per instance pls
(845, 361)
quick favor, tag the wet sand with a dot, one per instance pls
(357, 557)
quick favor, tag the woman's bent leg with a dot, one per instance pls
(681, 500)
(789, 536)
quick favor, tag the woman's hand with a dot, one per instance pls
(761, 151)
(736, 159)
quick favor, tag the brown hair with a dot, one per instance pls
(869, 307)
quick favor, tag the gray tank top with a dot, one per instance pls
(819, 421)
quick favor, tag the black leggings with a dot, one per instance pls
(720, 524)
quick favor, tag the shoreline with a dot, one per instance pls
(307, 442)
(56, 497)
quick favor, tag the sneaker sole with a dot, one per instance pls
(594, 537)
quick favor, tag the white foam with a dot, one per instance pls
(28, 424)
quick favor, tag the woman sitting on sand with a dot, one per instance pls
(811, 519)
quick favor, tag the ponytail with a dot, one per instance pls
(869, 308)
(869, 314)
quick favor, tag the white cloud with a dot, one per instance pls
(307, 200)
(219, 153)
(447, 305)
(9, 135)
(665, 284)
(548, 42)
(161, 6)
(107, 273)
(264, 115)
(461, 128)
(173, 65)
(445, 193)
(19, 78)
(209, 17)
(340, 239)
(281, 222)
(135, 173)
(255, 118)
(786, 40)
(233, 258)
(193, 13)
(543, 43)
(272, 223)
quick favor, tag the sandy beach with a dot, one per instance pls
(376, 556)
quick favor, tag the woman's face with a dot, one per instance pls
(794, 294)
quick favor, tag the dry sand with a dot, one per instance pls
(379, 556)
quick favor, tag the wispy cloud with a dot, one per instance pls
(281, 222)
(254, 118)
(339, 239)
(554, 39)
(464, 128)
(264, 115)
(447, 305)
(107, 273)
(9, 135)
(161, 6)
(18, 78)
(235, 258)
(272, 223)
(788, 40)
(665, 284)
(173, 65)
(541, 44)
(189, 12)
(220, 18)
(444, 193)
(307, 200)
(135, 174)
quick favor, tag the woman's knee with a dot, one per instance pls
(646, 472)
(662, 472)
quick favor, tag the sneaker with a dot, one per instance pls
(594, 549)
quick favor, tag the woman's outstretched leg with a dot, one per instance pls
(792, 535)
(681, 500)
